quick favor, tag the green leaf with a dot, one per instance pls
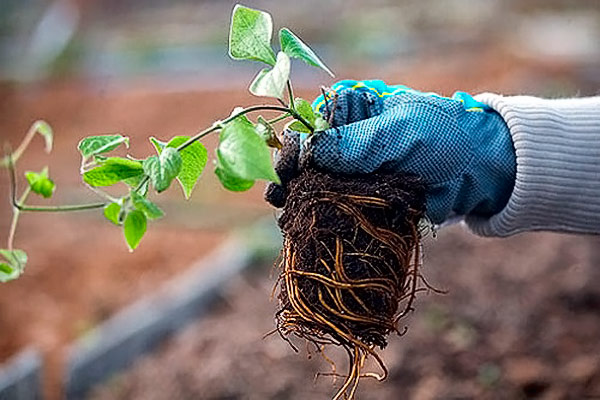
(13, 264)
(150, 209)
(243, 153)
(94, 145)
(266, 131)
(193, 159)
(113, 170)
(305, 110)
(316, 120)
(164, 168)
(250, 35)
(298, 127)
(44, 129)
(320, 123)
(40, 183)
(271, 83)
(231, 182)
(112, 212)
(296, 48)
(39, 126)
(263, 128)
(135, 182)
(134, 228)
(159, 145)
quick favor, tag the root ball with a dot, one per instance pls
(349, 265)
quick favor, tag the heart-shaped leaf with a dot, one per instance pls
(230, 181)
(271, 83)
(296, 48)
(243, 154)
(112, 212)
(141, 203)
(113, 170)
(94, 145)
(193, 157)
(163, 169)
(250, 35)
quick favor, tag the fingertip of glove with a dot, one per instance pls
(276, 195)
(286, 166)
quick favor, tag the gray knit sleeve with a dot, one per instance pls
(557, 186)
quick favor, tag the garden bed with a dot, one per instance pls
(520, 320)
(515, 306)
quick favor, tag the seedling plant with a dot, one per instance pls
(242, 157)
(350, 243)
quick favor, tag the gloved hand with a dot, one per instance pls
(461, 148)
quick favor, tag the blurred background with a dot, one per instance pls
(521, 317)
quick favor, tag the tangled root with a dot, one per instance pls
(350, 258)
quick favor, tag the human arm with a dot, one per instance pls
(522, 164)
(557, 185)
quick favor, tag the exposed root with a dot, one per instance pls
(350, 258)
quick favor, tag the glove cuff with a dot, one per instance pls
(557, 185)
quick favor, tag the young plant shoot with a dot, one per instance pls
(242, 157)
(351, 244)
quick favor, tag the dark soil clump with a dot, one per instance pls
(350, 260)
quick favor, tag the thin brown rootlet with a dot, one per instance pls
(349, 260)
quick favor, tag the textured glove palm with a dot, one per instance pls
(460, 147)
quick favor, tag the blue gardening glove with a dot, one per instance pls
(461, 148)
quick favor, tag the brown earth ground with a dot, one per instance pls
(521, 320)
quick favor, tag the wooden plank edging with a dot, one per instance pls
(20, 376)
(138, 328)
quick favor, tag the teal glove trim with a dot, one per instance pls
(382, 90)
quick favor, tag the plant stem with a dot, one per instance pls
(100, 193)
(144, 180)
(291, 95)
(325, 94)
(281, 117)
(23, 207)
(219, 124)
(302, 120)
(26, 140)
(15, 219)
(13, 228)
(65, 208)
